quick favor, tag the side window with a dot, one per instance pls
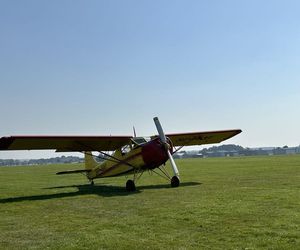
(125, 149)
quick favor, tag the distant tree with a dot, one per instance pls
(228, 147)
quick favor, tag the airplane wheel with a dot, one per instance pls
(175, 181)
(130, 186)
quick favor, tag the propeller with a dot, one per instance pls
(134, 133)
(163, 139)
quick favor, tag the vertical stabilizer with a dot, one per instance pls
(90, 162)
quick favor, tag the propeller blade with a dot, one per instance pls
(173, 164)
(164, 141)
(160, 130)
(134, 133)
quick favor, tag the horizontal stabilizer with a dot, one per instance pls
(74, 171)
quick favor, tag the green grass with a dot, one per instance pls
(223, 203)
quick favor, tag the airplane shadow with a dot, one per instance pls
(86, 189)
(162, 186)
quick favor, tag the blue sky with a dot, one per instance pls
(100, 67)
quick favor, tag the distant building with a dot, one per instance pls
(291, 151)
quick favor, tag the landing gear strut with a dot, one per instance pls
(130, 186)
(175, 181)
(92, 183)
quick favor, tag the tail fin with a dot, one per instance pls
(90, 162)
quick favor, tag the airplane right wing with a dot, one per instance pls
(200, 138)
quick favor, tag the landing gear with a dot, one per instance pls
(130, 186)
(175, 181)
(92, 183)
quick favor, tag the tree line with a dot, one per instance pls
(55, 160)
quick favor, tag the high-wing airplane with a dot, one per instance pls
(130, 154)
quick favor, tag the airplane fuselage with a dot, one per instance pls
(149, 155)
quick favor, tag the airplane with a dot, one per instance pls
(121, 155)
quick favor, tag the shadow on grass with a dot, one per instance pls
(101, 190)
(162, 186)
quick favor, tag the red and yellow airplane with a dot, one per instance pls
(131, 155)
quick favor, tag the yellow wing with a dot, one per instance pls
(64, 143)
(199, 138)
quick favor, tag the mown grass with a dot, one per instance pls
(223, 203)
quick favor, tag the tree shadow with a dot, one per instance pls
(86, 189)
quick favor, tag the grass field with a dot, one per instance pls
(223, 203)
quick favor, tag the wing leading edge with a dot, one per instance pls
(64, 143)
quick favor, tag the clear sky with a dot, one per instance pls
(100, 67)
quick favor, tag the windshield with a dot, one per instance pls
(140, 140)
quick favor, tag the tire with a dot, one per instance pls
(130, 186)
(175, 181)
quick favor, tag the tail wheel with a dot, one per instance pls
(130, 186)
(175, 181)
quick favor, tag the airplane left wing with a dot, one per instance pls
(200, 138)
(64, 143)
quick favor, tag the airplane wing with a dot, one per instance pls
(64, 143)
(199, 138)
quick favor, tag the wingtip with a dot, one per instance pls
(5, 142)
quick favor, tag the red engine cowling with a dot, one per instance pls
(154, 153)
